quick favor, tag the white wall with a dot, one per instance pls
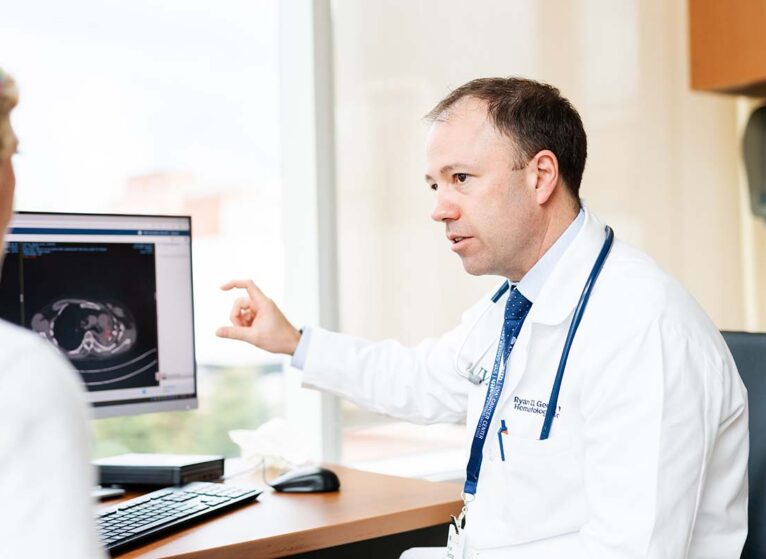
(662, 165)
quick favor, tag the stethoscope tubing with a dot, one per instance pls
(550, 413)
(470, 373)
(496, 384)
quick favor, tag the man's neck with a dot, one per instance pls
(532, 282)
(552, 228)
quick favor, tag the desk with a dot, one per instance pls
(367, 506)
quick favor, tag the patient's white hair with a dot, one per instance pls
(9, 96)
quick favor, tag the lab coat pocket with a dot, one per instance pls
(543, 488)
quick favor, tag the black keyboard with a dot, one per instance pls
(137, 520)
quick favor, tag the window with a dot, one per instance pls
(164, 107)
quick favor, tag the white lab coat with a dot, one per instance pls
(648, 454)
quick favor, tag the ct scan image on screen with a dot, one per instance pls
(101, 318)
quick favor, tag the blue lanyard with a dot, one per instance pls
(497, 379)
(508, 338)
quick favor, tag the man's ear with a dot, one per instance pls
(546, 167)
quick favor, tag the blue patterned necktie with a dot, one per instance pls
(516, 310)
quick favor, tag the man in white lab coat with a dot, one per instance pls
(647, 452)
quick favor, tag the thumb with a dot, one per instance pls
(233, 333)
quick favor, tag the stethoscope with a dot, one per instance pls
(495, 387)
(478, 375)
(470, 373)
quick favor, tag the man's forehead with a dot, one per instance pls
(463, 133)
(458, 126)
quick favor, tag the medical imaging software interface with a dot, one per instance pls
(112, 293)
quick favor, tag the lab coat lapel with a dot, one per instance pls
(557, 299)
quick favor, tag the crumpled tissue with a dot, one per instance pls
(276, 444)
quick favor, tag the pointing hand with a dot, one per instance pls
(257, 320)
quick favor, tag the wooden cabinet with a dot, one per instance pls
(728, 46)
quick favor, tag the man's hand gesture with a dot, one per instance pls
(257, 320)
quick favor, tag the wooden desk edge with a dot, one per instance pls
(319, 538)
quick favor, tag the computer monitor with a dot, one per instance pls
(113, 293)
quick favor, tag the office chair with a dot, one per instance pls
(749, 352)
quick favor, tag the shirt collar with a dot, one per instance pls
(533, 281)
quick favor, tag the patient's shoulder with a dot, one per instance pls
(29, 363)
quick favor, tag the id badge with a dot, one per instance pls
(455, 542)
(456, 538)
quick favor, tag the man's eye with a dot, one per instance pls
(434, 186)
(461, 177)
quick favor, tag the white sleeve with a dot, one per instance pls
(46, 478)
(418, 384)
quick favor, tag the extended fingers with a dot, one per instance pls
(232, 332)
(252, 290)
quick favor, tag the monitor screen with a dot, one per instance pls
(113, 293)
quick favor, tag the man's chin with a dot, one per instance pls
(474, 268)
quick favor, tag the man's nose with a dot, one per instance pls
(445, 207)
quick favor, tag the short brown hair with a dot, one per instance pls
(534, 116)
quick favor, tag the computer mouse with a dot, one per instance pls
(313, 479)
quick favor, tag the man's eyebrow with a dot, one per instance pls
(448, 169)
